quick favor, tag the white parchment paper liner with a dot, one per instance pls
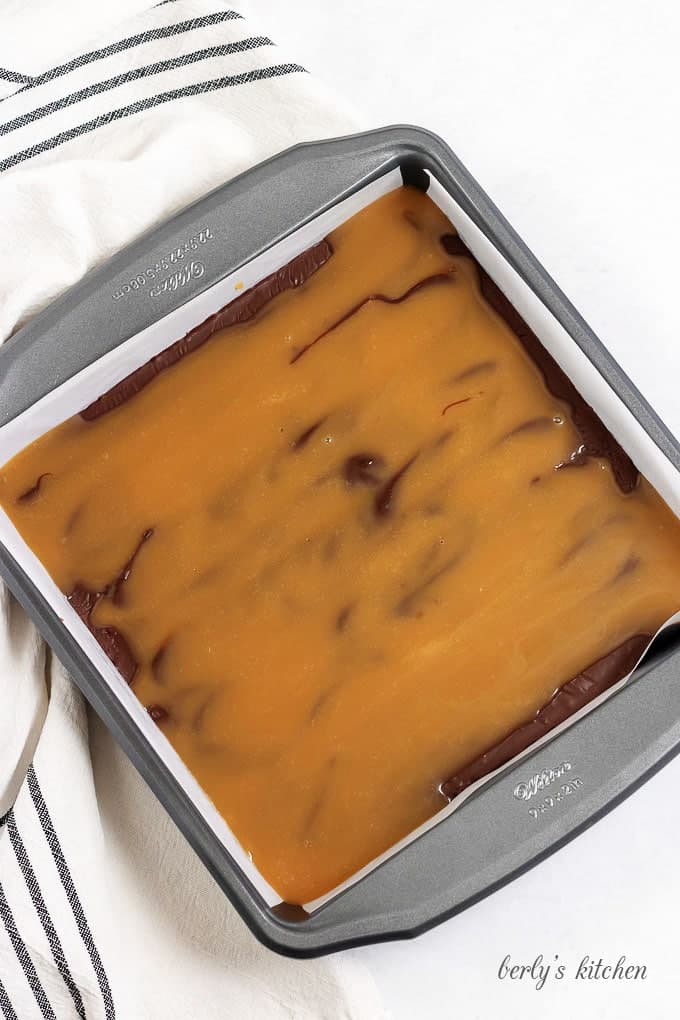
(96, 379)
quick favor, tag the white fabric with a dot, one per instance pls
(104, 909)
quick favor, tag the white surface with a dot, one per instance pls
(567, 113)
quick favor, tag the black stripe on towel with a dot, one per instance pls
(150, 35)
(70, 890)
(5, 1005)
(14, 77)
(24, 958)
(246, 78)
(43, 914)
(97, 88)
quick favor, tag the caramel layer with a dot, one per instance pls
(336, 549)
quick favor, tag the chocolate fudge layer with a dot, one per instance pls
(346, 538)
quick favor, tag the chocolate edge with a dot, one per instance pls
(597, 442)
(596, 439)
(569, 698)
(242, 309)
(111, 641)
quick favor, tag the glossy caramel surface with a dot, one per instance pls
(338, 544)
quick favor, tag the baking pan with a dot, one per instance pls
(529, 809)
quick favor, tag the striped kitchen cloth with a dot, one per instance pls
(106, 127)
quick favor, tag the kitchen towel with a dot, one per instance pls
(106, 127)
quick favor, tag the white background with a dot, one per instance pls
(568, 114)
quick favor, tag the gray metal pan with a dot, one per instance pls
(494, 835)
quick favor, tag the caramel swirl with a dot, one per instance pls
(331, 539)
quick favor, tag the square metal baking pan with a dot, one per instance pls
(496, 833)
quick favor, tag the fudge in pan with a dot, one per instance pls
(354, 541)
